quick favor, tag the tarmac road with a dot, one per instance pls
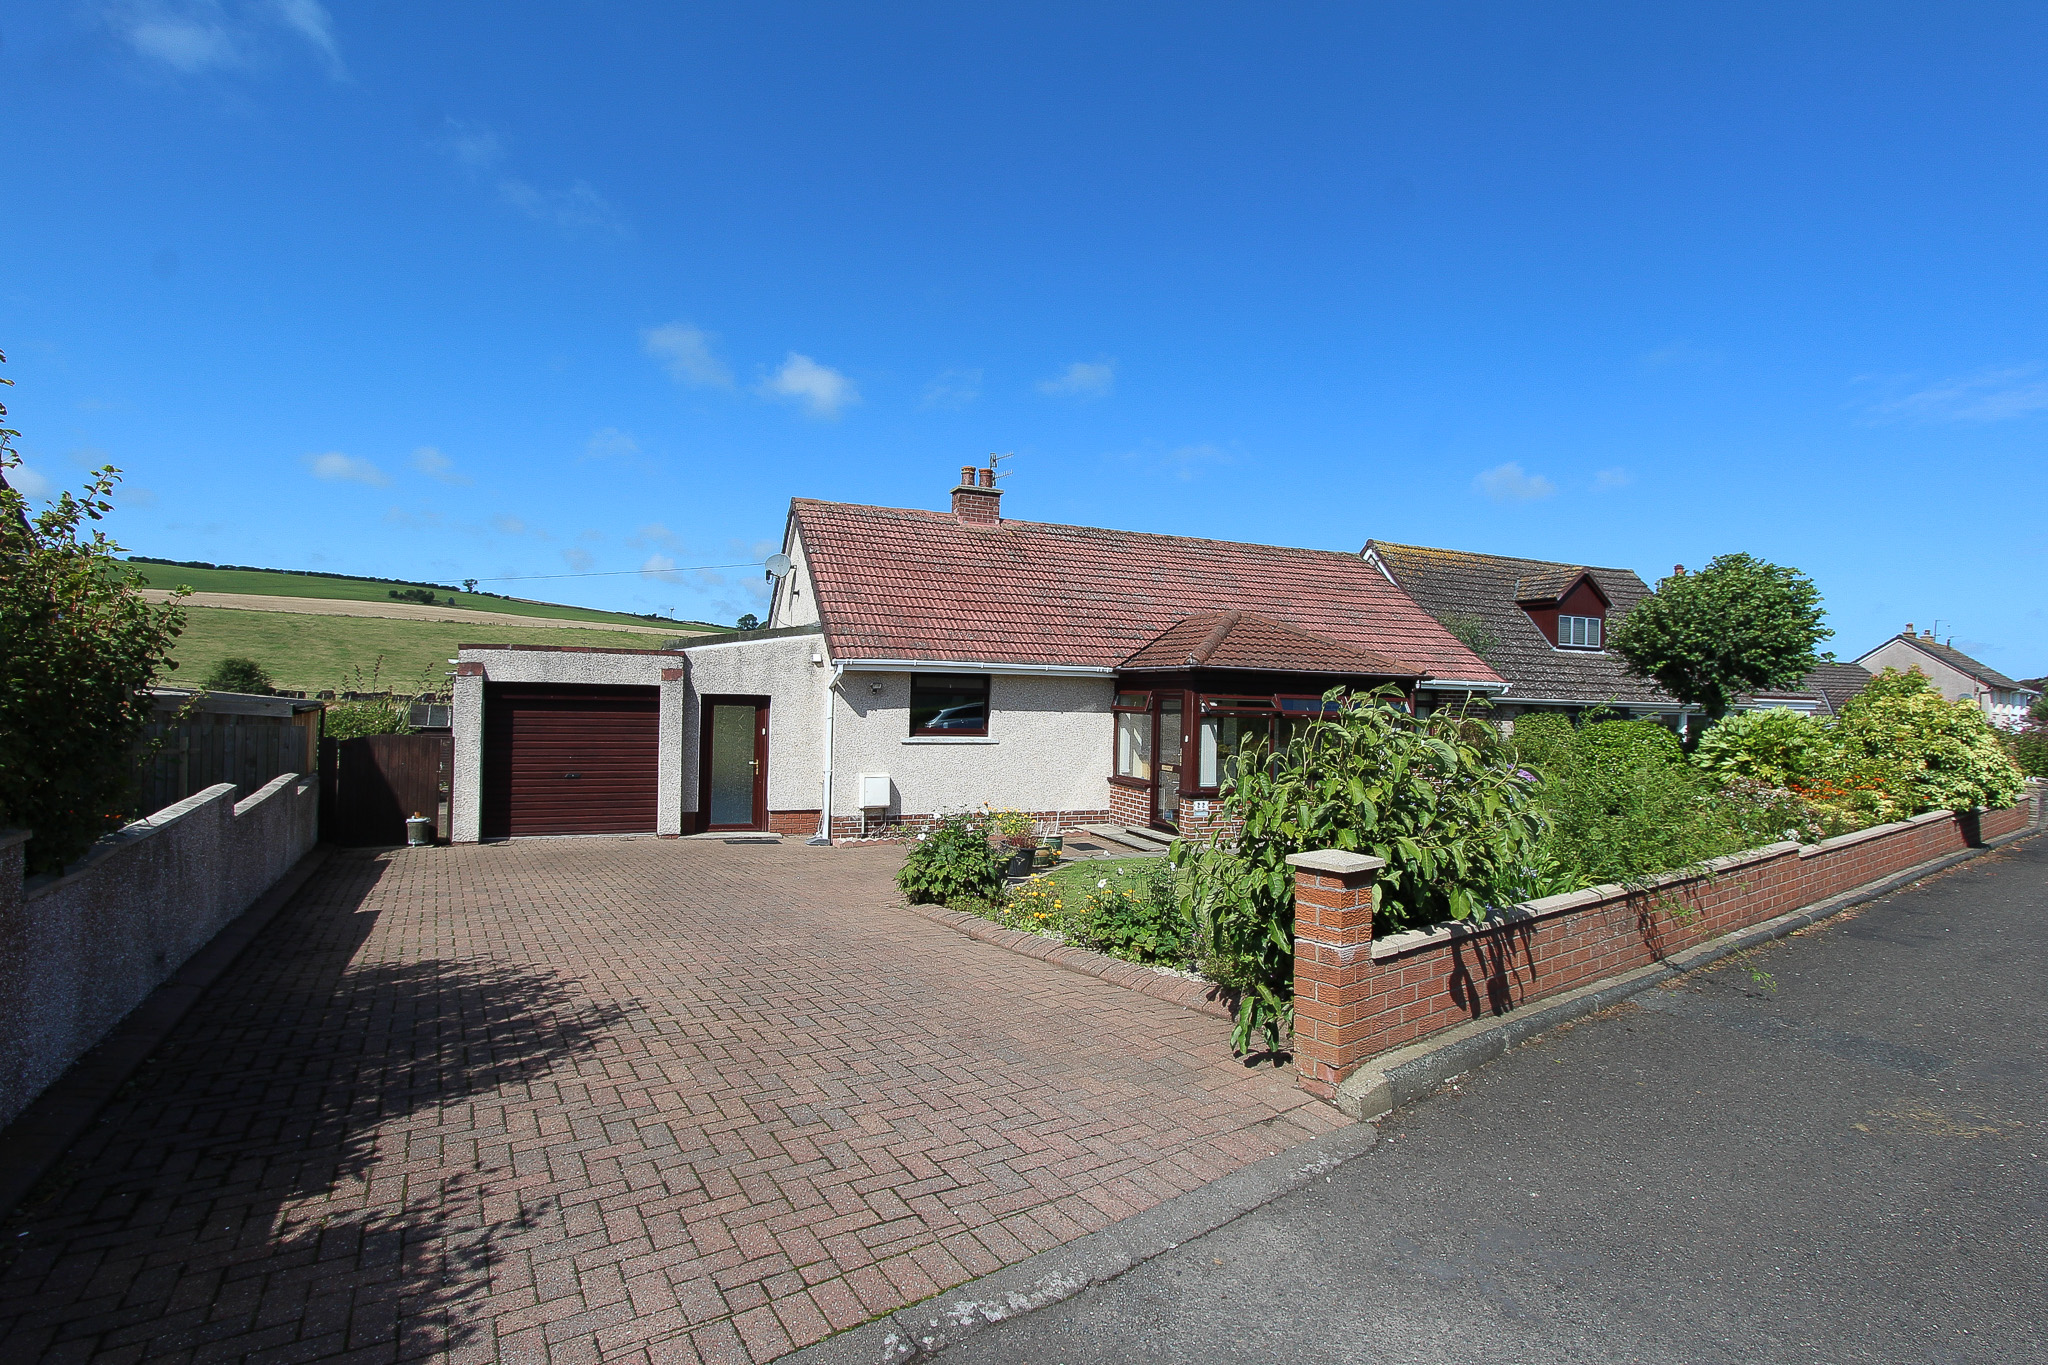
(1840, 1159)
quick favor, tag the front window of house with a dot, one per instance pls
(948, 705)
(1578, 632)
(1134, 735)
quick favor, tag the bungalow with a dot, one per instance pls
(918, 662)
(1955, 675)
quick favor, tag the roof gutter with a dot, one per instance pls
(1461, 685)
(974, 666)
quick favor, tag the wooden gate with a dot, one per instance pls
(368, 786)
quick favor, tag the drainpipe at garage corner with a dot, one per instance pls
(823, 838)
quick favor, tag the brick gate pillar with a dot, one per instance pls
(1333, 905)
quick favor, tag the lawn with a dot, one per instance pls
(273, 583)
(1078, 878)
(312, 653)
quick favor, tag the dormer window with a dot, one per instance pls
(1578, 632)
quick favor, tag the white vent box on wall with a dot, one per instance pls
(874, 791)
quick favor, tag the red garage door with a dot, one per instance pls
(570, 760)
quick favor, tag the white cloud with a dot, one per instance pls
(686, 353)
(511, 526)
(1507, 483)
(475, 145)
(28, 483)
(660, 569)
(1608, 479)
(196, 36)
(953, 389)
(480, 150)
(576, 209)
(578, 560)
(609, 442)
(311, 21)
(654, 533)
(1680, 353)
(432, 463)
(820, 388)
(1994, 395)
(1082, 379)
(336, 467)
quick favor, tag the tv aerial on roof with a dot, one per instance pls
(995, 459)
(777, 566)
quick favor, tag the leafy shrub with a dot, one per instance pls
(953, 861)
(2030, 752)
(1918, 751)
(354, 719)
(236, 674)
(78, 648)
(1440, 800)
(1137, 917)
(1539, 737)
(1778, 747)
(1623, 805)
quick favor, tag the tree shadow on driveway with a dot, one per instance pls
(257, 1184)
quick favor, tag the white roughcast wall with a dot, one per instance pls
(1048, 747)
(782, 671)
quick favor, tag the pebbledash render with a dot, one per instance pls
(917, 662)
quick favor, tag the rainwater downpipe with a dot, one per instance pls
(823, 838)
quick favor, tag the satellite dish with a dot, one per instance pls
(777, 565)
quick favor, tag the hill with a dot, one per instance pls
(314, 653)
(158, 573)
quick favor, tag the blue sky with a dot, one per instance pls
(485, 290)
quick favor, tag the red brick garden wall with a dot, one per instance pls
(1356, 996)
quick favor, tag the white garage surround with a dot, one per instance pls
(477, 665)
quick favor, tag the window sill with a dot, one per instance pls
(949, 739)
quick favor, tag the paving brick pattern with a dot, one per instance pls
(617, 1100)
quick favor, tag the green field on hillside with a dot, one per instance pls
(273, 583)
(314, 653)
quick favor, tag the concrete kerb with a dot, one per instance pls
(944, 1320)
(1392, 1079)
(32, 1145)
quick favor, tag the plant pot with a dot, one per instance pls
(1020, 860)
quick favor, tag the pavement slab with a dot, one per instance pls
(612, 1099)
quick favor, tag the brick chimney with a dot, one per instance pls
(977, 501)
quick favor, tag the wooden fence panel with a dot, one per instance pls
(369, 785)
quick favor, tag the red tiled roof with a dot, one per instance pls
(902, 583)
(1243, 639)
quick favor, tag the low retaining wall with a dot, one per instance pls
(78, 952)
(1356, 996)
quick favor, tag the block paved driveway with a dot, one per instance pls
(611, 1099)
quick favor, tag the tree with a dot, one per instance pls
(236, 674)
(1739, 625)
(79, 648)
(750, 622)
(469, 585)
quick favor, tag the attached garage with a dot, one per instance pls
(570, 759)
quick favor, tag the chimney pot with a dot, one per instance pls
(988, 478)
(966, 473)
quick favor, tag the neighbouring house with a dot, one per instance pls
(1540, 625)
(1823, 692)
(919, 662)
(1955, 675)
